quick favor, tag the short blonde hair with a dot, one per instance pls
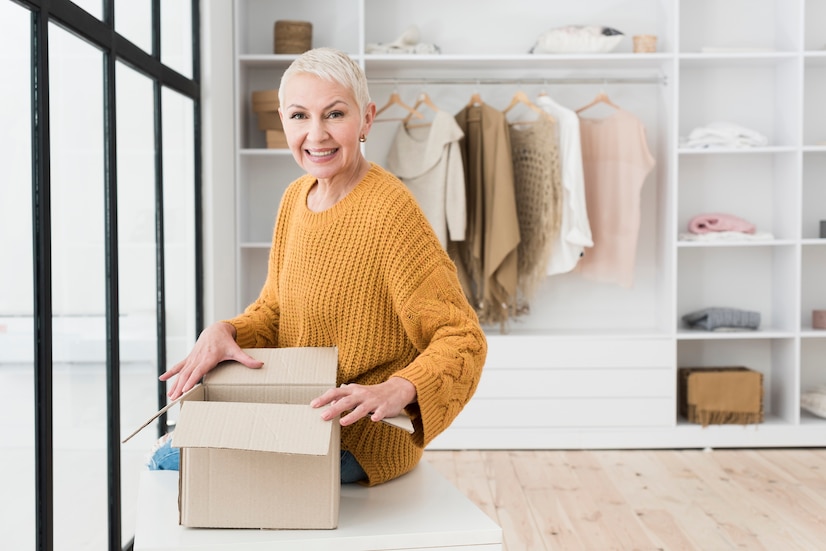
(332, 65)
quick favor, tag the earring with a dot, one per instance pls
(362, 138)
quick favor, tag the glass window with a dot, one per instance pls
(94, 7)
(137, 271)
(79, 292)
(179, 223)
(176, 35)
(133, 21)
(17, 499)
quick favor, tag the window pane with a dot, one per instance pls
(17, 500)
(136, 255)
(76, 104)
(179, 223)
(133, 20)
(176, 35)
(94, 7)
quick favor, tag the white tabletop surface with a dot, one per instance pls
(418, 510)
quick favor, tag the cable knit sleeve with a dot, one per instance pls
(441, 323)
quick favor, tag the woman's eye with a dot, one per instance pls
(335, 114)
(297, 116)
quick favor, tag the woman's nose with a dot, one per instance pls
(317, 129)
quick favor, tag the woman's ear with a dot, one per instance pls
(369, 117)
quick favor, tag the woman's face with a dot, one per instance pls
(322, 123)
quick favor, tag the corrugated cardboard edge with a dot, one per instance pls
(196, 392)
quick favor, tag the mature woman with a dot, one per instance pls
(355, 264)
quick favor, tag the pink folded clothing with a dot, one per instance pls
(705, 223)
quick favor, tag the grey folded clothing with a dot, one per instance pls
(711, 319)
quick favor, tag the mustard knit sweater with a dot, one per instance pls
(370, 277)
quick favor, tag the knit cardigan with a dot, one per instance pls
(369, 276)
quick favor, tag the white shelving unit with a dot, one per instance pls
(595, 365)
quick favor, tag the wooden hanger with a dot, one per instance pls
(521, 98)
(423, 99)
(602, 97)
(395, 99)
(475, 99)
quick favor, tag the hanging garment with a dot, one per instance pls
(489, 252)
(428, 159)
(538, 189)
(575, 230)
(616, 161)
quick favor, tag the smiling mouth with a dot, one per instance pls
(321, 154)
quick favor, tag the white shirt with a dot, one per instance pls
(575, 230)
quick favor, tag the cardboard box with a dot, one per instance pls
(254, 454)
(720, 395)
(276, 139)
(265, 105)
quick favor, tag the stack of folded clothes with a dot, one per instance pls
(722, 319)
(720, 226)
(724, 134)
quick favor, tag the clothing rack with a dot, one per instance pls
(515, 80)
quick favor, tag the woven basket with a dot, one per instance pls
(645, 43)
(293, 37)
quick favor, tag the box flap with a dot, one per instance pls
(280, 428)
(282, 366)
(194, 393)
(401, 421)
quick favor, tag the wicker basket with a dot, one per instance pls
(293, 37)
(645, 43)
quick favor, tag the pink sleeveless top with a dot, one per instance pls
(616, 161)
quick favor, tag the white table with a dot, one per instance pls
(420, 510)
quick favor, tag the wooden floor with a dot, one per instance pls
(675, 500)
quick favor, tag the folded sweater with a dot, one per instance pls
(715, 318)
(715, 222)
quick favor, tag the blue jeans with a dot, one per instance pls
(167, 458)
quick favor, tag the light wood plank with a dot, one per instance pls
(673, 500)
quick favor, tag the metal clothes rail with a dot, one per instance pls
(662, 79)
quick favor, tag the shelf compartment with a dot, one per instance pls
(774, 358)
(335, 24)
(756, 279)
(813, 207)
(757, 97)
(253, 275)
(814, 32)
(489, 30)
(760, 24)
(762, 191)
(812, 364)
(262, 180)
(813, 291)
(814, 90)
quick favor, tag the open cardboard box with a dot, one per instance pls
(254, 454)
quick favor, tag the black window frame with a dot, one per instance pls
(100, 33)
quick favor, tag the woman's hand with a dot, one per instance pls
(215, 345)
(386, 399)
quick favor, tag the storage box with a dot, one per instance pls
(254, 454)
(720, 395)
(276, 139)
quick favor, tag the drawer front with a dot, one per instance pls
(533, 352)
(566, 413)
(575, 383)
(552, 382)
